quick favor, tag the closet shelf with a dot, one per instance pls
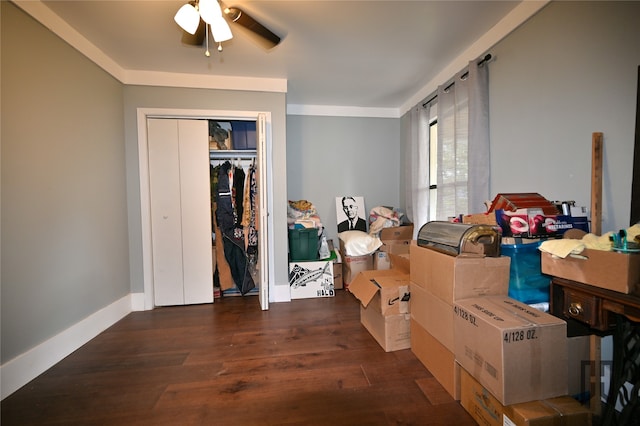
(232, 153)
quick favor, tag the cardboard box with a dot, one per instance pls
(487, 410)
(392, 332)
(488, 218)
(433, 314)
(400, 262)
(396, 234)
(437, 359)
(517, 352)
(311, 279)
(458, 277)
(386, 292)
(381, 261)
(353, 265)
(337, 276)
(395, 240)
(606, 269)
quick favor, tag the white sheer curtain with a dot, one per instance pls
(479, 154)
(463, 144)
(462, 112)
(417, 167)
(453, 113)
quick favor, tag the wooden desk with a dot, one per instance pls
(593, 310)
(593, 307)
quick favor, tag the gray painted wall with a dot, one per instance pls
(328, 157)
(569, 71)
(64, 212)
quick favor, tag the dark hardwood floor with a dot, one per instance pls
(308, 362)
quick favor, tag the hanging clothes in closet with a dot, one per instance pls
(249, 216)
(229, 214)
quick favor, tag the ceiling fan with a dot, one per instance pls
(198, 17)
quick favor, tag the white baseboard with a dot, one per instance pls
(27, 366)
(137, 302)
(280, 293)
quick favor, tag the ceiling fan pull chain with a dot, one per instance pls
(219, 46)
(206, 36)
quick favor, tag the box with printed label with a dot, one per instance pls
(386, 292)
(436, 358)
(392, 332)
(381, 261)
(311, 279)
(533, 222)
(517, 352)
(487, 410)
(458, 277)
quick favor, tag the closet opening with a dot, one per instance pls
(234, 207)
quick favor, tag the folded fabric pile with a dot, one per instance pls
(567, 246)
(383, 217)
(303, 213)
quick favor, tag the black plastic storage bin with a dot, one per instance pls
(243, 134)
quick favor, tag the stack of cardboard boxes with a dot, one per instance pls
(383, 290)
(438, 280)
(505, 361)
(384, 308)
(395, 242)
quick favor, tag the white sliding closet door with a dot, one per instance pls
(180, 211)
(263, 234)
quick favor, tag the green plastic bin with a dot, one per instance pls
(303, 244)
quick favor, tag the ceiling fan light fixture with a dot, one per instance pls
(188, 18)
(209, 10)
(220, 30)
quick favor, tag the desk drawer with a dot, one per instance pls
(582, 307)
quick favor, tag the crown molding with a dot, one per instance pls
(41, 13)
(519, 15)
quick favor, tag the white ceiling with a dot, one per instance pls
(372, 54)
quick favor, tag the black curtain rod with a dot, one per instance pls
(463, 76)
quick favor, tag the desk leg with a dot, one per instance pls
(595, 377)
(625, 375)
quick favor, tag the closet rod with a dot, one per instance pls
(232, 154)
(463, 76)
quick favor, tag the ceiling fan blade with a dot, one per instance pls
(196, 39)
(238, 16)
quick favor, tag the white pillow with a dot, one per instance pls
(359, 243)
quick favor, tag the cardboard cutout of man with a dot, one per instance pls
(353, 222)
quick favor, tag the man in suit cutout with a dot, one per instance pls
(353, 222)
